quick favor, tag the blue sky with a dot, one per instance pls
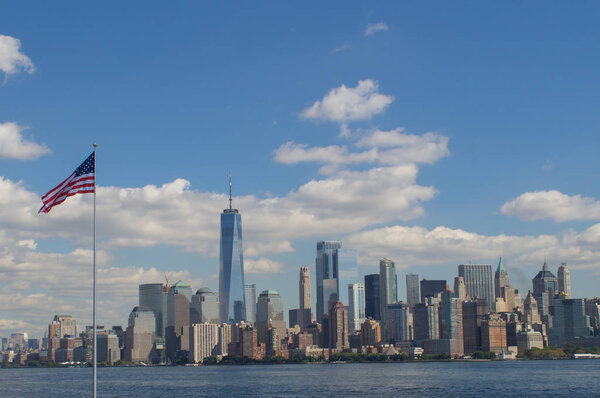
(498, 100)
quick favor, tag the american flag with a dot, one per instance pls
(81, 180)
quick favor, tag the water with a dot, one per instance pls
(454, 379)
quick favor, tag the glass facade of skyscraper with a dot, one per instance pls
(478, 281)
(231, 268)
(327, 276)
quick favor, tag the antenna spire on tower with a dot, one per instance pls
(230, 206)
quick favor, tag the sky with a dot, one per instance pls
(430, 133)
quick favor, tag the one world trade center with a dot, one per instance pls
(232, 305)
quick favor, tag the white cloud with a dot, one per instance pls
(344, 104)
(261, 266)
(418, 246)
(387, 148)
(376, 27)
(14, 146)
(552, 204)
(12, 60)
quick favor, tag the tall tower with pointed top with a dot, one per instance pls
(500, 278)
(232, 303)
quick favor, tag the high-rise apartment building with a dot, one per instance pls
(338, 327)
(412, 290)
(370, 333)
(388, 290)
(478, 282)
(564, 279)
(372, 297)
(500, 279)
(232, 301)
(154, 297)
(356, 305)
(327, 263)
(204, 307)
(250, 292)
(204, 341)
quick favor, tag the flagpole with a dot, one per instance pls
(94, 383)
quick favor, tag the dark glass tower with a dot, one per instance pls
(232, 306)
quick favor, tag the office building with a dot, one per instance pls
(178, 320)
(250, 292)
(569, 321)
(269, 315)
(426, 322)
(388, 290)
(528, 339)
(399, 322)
(356, 305)
(108, 350)
(530, 310)
(154, 297)
(564, 279)
(431, 288)
(338, 327)
(204, 307)
(500, 279)
(304, 286)
(493, 334)
(460, 290)
(232, 295)
(412, 290)
(140, 334)
(545, 286)
(327, 264)
(372, 297)
(478, 282)
(451, 321)
(473, 313)
(66, 326)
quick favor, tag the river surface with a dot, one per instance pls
(409, 379)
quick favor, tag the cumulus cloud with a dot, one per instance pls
(376, 27)
(12, 60)
(345, 104)
(261, 266)
(418, 246)
(14, 146)
(387, 148)
(552, 204)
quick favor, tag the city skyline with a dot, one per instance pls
(407, 141)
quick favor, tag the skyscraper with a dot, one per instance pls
(399, 322)
(204, 307)
(460, 290)
(388, 290)
(231, 266)
(250, 292)
(500, 279)
(154, 297)
(269, 314)
(327, 276)
(451, 320)
(305, 312)
(569, 321)
(412, 290)
(564, 280)
(545, 286)
(338, 327)
(139, 338)
(372, 300)
(356, 305)
(431, 288)
(478, 281)
(178, 319)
